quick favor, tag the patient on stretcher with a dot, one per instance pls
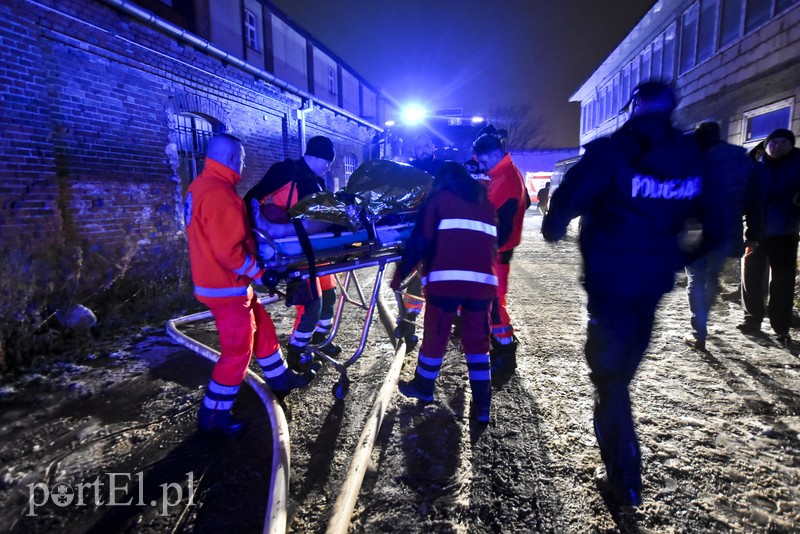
(279, 230)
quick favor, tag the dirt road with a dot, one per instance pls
(719, 431)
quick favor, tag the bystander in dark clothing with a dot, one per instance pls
(544, 198)
(425, 160)
(636, 190)
(457, 217)
(776, 252)
(736, 179)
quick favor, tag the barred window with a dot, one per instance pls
(350, 163)
(194, 133)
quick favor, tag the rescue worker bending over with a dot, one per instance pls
(284, 184)
(223, 263)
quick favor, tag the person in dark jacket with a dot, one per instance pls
(777, 250)
(425, 160)
(456, 217)
(636, 190)
(284, 184)
(738, 180)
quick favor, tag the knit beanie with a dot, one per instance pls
(321, 147)
(780, 132)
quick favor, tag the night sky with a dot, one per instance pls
(475, 54)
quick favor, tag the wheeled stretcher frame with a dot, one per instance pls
(374, 247)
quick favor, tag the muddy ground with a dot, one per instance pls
(720, 433)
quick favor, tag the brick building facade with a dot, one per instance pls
(102, 115)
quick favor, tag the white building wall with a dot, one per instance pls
(751, 75)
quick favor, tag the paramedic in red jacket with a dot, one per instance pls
(221, 253)
(509, 196)
(456, 217)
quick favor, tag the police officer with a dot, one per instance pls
(635, 191)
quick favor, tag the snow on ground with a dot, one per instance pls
(720, 432)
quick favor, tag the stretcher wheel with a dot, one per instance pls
(270, 278)
(341, 388)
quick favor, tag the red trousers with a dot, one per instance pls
(244, 327)
(501, 321)
(439, 315)
(323, 283)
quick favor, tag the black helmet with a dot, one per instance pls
(649, 97)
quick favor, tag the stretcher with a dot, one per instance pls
(340, 254)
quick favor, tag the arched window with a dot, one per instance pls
(193, 134)
(350, 163)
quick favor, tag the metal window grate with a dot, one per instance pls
(193, 135)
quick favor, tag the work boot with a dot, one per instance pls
(298, 359)
(693, 342)
(284, 383)
(410, 389)
(331, 349)
(626, 496)
(220, 422)
(504, 357)
(483, 414)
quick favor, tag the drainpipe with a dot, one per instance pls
(300, 115)
(181, 34)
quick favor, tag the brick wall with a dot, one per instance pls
(88, 140)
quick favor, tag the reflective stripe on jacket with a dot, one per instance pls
(462, 239)
(221, 247)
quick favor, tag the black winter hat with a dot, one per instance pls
(321, 147)
(780, 132)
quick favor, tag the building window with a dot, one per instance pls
(350, 163)
(707, 29)
(757, 13)
(647, 56)
(658, 45)
(194, 133)
(688, 51)
(758, 123)
(668, 69)
(780, 5)
(331, 81)
(251, 29)
(730, 22)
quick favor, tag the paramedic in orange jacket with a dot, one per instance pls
(284, 184)
(509, 196)
(221, 253)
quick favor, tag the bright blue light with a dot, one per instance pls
(477, 120)
(389, 123)
(414, 114)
